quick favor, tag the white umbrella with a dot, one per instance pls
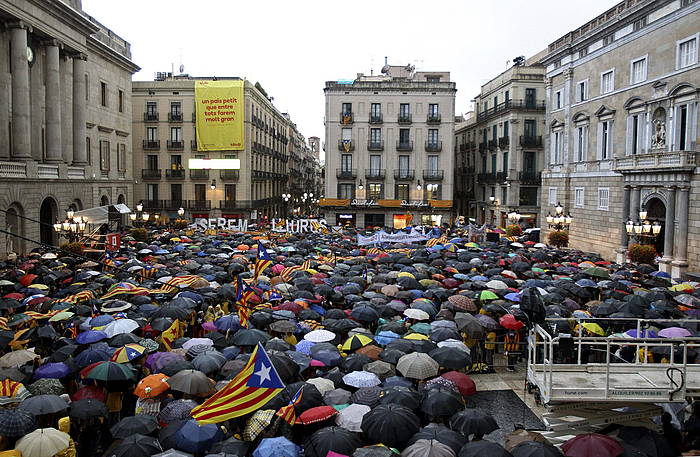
(350, 418)
(517, 245)
(417, 314)
(120, 326)
(450, 343)
(43, 442)
(417, 365)
(197, 341)
(322, 384)
(361, 379)
(540, 245)
(496, 284)
(319, 336)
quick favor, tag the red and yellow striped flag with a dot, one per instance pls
(289, 412)
(251, 389)
(288, 272)
(170, 335)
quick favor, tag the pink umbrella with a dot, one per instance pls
(277, 269)
(156, 361)
(209, 326)
(675, 332)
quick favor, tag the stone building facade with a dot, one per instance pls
(500, 152)
(164, 140)
(65, 117)
(622, 129)
(389, 143)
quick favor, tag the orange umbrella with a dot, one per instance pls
(152, 386)
(27, 279)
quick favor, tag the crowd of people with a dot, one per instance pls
(373, 346)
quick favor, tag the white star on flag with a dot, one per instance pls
(264, 373)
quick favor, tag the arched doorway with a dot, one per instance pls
(656, 211)
(48, 215)
(121, 199)
(104, 201)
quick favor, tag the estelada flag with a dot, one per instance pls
(262, 261)
(289, 412)
(251, 389)
(243, 293)
(171, 334)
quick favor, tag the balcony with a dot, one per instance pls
(404, 175)
(404, 119)
(346, 146)
(193, 145)
(433, 146)
(503, 142)
(199, 174)
(503, 107)
(152, 204)
(176, 145)
(683, 161)
(433, 175)
(492, 145)
(174, 204)
(199, 204)
(530, 141)
(174, 117)
(375, 118)
(483, 147)
(151, 173)
(346, 118)
(375, 174)
(463, 147)
(375, 145)
(530, 177)
(434, 118)
(230, 175)
(175, 174)
(492, 178)
(151, 145)
(342, 173)
(405, 146)
(150, 117)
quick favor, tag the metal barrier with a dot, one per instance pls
(614, 378)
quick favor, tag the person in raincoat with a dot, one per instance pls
(511, 346)
(64, 426)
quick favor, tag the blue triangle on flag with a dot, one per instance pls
(264, 374)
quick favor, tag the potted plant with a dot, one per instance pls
(558, 238)
(642, 253)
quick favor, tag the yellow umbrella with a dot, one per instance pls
(416, 336)
(593, 328)
(40, 286)
(356, 342)
(406, 274)
(677, 288)
(62, 316)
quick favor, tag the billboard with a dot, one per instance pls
(214, 164)
(219, 120)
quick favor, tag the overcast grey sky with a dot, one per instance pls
(292, 48)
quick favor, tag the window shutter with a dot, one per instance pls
(628, 137)
(599, 152)
(553, 148)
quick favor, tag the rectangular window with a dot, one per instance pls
(176, 192)
(230, 192)
(581, 143)
(558, 100)
(103, 93)
(152, 162)
(530, 97)
(346, 134)
(608, 39)
(683, 129)
(87, 87)
(346, 190)
(582, 91)
(152, 133)
(404, 110)
(404, 164)
(433, 110)
(578, 197)
(433, 191)
(552, 196)
(104, 155)
(583, 53)
(374, 191)
(638, 70)
(121, 157)
(88, 150)
(176, 109)
(528, 196)
(529, 161)
(433, 136)
(176, 134)
(634, 133)
(605, 140)
(506, 132)
(603, 198)
(347, 108)
(556, 153)
(152, 192)
(433, 163)
(530, 129)
(494, 162)
(121, 101)
(375, 110)
(346, 162)
(404, 136)
(607, 81)
(401, 192)
(494, 132)
(151, 108)
(505, 162)
(200, 192)
(687, 52)
(639, 23)
(506, 95)
(176, 162)
(375, 164)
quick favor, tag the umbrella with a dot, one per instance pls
(176, 410)
(361, 379)
(441, 401)
(520, 435)
(597, 272)
(16, 422)
(350, 418)
(390, 424)
(451, 357)
(675, 332)
(131, 425)
(43, 442)
(276, 447)
(592, 445)
(510, 322)
(473, 421)
(483, 448)
(152, 386)
(416, 314)
(417, 365)
(17, 358)
(88, 409)
(196, 438)
(319, 336)
(535, 449)
(648, 441)
(316, 414)
(137, 445)
(427, 448)
(356, 342)
(108, 371)
(191, 382)
(120, 326)
(209, 362)
(127, 353)
(91, 336)
(334, 439)
(441, 434)
(55, 370)
(44, 404)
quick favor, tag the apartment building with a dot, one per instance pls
(65, 117)
(389, 142)
(499, 149)
(622, 130)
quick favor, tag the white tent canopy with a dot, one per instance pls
(100, 214)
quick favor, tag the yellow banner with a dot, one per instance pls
(440, 203)
(390, 203)
(334, 202)
(219, 107)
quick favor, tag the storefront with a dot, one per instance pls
(345, 219)
(402, 220)
(374, 220)
(431, 219)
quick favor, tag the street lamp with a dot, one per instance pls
(286, 198)
(643, 229)
(514, 217)
(212, 186)
(559, 221)
(72, 227)
(139, 215)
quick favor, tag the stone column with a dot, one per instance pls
(21, 130)
(669, 230)
(634, 203)
(680, 257)
(621, 256)
(54, 145)
(79, 110)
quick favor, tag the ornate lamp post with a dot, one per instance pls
(72, 227)
(285, 198)
(643, 230)
(139, 215)
(559, 221)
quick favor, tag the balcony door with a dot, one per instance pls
(230, 192)
(151, 162)
(530, 129)
(529, 161)
(176, 193)
(375, 164)
(530, 97)
(346, 163)
(404, 165)
(200, 192)
(152, 192)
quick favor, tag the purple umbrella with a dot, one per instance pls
(487, 322)
(91, 336)
(675, 332)
(91, 355)
(52, 370)
(304, 346)
(156, 361)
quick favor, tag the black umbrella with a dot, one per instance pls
(355, 362)
(482, 448)
(136, 446)
(176, 367)
(535, 449)
(391, 355)
(442, 434)
(451, 357)
(441, 401)
(364, 313)
(168, 434)
(286, 368)
(310, 397)
(532, 305)
(473, 421)
(87, 409)
(16, 422)
(44, 404)
(399, 395)
(231, 446)
(392, 425)
(249, 337)
(648, 441)
(334, 439)
(130, 425)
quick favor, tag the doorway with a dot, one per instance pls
(656, 211)
(48, 215)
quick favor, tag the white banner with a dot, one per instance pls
(384, 237)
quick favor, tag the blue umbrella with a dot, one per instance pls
(100, 321)
(586, 283)
(196, 438)
(228, 322)
(513, 296)
(660, 274)
(479, 278)
(304, 346)
(397, 381)
(643, 334)
(385, 337)
(276, 447)
(329, 358)
(52, 370)
(192, 295)
(91, 336)
(90, 356)
(319, 309)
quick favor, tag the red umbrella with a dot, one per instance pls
(15, 296)
(27, 279)
(510, 322)
(463, 382)
(317, 414)
(592, 445)
(89, 392)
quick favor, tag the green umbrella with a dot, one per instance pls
(487, 295)
(109, 371)
(597, 272)
(422, 327)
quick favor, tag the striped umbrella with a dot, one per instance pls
(127, 353)
(12, 392)
(16, 422)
